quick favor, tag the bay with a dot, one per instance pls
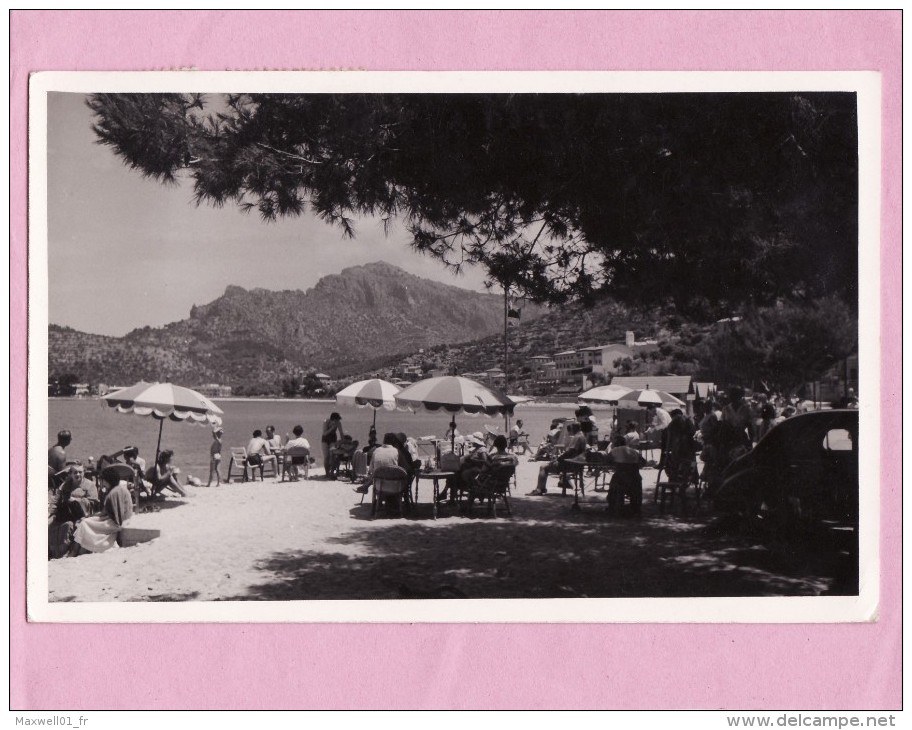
(98, 429)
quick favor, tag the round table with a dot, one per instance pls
(435, 476)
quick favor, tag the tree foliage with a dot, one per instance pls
(782, 346)
(708, 201)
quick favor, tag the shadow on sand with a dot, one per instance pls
(545, 550)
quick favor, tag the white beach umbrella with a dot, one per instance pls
(604, 394)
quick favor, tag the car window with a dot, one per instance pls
(837, 439)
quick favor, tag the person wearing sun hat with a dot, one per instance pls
(470, 466)
(215, 456)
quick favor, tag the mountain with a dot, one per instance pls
(344, 324)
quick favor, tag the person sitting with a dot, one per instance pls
(518, 437)
(259, 453)
(132, 458)
(342, 451)
(577, 446)
(499, 458)
(272, 439)
(296, 461)
(408, 454)
(471, 463)
(631, 435)
(767, 420)
(494, 462)
(388, 454)
(626, 482)
(452, 435)
(850, 400)
(57, 460)
(550, 445)
(163, 476)
(588, 426)
(60, 525)
(99, 533)
(79, 493)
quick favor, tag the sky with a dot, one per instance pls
(126, 252)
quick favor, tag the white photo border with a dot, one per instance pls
(819, 609)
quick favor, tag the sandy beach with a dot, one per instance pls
(313, 539)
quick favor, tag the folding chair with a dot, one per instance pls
(238, 460)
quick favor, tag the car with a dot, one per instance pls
(803, 471)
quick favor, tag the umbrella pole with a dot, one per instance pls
(161, 423)
(453, 434)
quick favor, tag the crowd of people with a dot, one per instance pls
(719, 430)
(87, 504)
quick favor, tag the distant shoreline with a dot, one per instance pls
(261, 399)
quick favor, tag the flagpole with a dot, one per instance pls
(506, 327)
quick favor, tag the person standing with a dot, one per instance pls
(215, 457)
(332, 432)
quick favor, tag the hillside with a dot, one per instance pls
(254, 338)
(571, 327)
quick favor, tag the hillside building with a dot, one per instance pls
(574, 368)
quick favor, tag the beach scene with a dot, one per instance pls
(308, 347)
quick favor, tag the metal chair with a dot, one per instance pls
(390, 482)
(344, 457)
(675, 488)
(491, 485)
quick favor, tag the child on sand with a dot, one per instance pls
(215, 457)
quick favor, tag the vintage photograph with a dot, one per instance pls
(376, 346)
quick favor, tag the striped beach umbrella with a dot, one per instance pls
(164, 400)
(455, 394)
(374, 393)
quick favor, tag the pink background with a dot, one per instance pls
(460, 666)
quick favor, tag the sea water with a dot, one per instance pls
(98, 429)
